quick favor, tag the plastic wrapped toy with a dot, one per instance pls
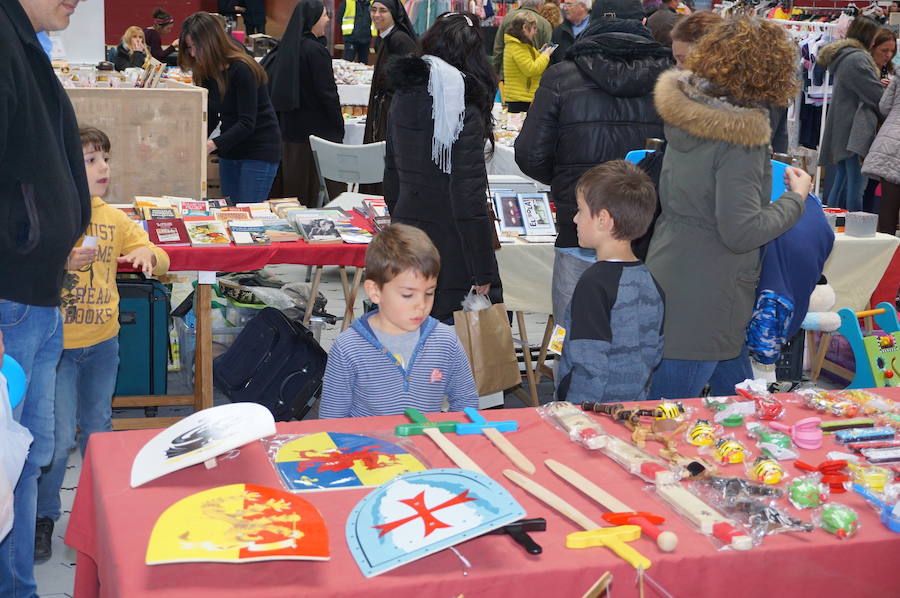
(701, 433)
(727, 450)
(776, 445)
(890, 513)
(808, 491)
(729, 491)
(768, 407)
(824, 401)
(871, 477)
(766, 470)
(580, 427)
(837, 519)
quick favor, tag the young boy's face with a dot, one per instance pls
(96, 164)
(404, 302)
(588, 226)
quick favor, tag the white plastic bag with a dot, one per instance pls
(15, 440)
(474, 302)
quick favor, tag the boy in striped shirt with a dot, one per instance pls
(398, 356)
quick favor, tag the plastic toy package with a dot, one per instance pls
(727, 450)
(768, 407)
(702, 433)
(772, 444)
(766, 470)
(837, 519)
(580, 427)
(871, 477)
(869, 403)
(828, 402)
(730, 491)
(807, 491)
(728, 412)
(335, 460)
(885, 504)
(757, 513)
(587, 432)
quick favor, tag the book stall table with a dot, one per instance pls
(209, 260)
(856, 268)
(111, 523)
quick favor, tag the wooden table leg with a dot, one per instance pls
(203, 386)
(526, 355)
(313, 293)
(540, 369)
(350, 297)
(815, 367)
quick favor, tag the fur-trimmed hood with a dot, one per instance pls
(682, 102)
(832, 54)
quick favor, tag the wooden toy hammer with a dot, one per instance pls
(434, 430)
(493, 430)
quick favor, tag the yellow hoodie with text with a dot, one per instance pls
(523, 66)
(90, 298)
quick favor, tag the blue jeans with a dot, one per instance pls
(33, 336)
(246, 181)
(567, 269)
(85, 382)
(848, 186)
(685, 379)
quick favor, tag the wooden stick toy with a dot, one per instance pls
(434, 430)
(493, 430)
(620, 513)
(708, 520)
(614, 538)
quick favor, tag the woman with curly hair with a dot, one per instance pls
(853, 115)
(714, 191)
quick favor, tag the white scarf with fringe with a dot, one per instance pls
(447, 90)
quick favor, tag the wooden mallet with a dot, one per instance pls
(434, 430)
(494, 432)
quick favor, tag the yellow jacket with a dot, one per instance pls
(523, 66)
(90, 298)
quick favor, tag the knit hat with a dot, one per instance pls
(621, 9)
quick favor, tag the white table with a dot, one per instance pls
(504, 162)
(353, 95)
(855, 267)
(354, 128)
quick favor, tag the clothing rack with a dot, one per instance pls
(802, 29)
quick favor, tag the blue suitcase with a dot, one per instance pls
(143, 336)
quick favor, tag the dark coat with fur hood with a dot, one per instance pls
(450, 208)
(595, 106)
(715, 192)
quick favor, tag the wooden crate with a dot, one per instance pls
(158, 137)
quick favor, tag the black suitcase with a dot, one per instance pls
(275, 362)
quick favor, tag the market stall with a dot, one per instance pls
(111, 523)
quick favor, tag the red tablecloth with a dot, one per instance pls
(890, 282)
(111, 523)
(238, 259)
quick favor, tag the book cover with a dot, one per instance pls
(168, 232)
(248, 232)
(145, 201)
(159, 213)
(375, 206)
(191, 207)
(281, 231)
(318, 229)
(207, 234)
(217, 203)
(226, 214)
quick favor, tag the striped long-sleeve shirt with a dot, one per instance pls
(363, 378)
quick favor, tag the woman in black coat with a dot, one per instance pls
(396, 38)
(254, 16)
(434, 174)
(305, 98)
(132, 51)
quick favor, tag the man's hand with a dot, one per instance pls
(141, 259)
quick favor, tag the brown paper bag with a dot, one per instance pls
(487, 339)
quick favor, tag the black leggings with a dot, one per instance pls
(514, 107)
(889, 208)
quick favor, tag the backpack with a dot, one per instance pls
(652, 165)
(275, 362)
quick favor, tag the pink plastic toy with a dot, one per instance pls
(805, 433)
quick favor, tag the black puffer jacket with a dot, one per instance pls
(450, 208)
(595, 106)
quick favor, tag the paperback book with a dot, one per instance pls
(248, 232)
(207, 234)
(169, 232)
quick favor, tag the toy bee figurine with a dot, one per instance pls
(766, 470)
(729, 451)
(668, 411)
(702, 433)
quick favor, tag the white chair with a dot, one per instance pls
(351, 164)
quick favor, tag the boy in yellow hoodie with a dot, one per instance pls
(86, 375)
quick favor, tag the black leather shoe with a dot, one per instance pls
(43, 539)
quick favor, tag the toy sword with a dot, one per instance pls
(493, 430)
(434, 430)
(620, 513)
(614, 538)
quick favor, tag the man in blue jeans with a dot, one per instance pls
(45, 205)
